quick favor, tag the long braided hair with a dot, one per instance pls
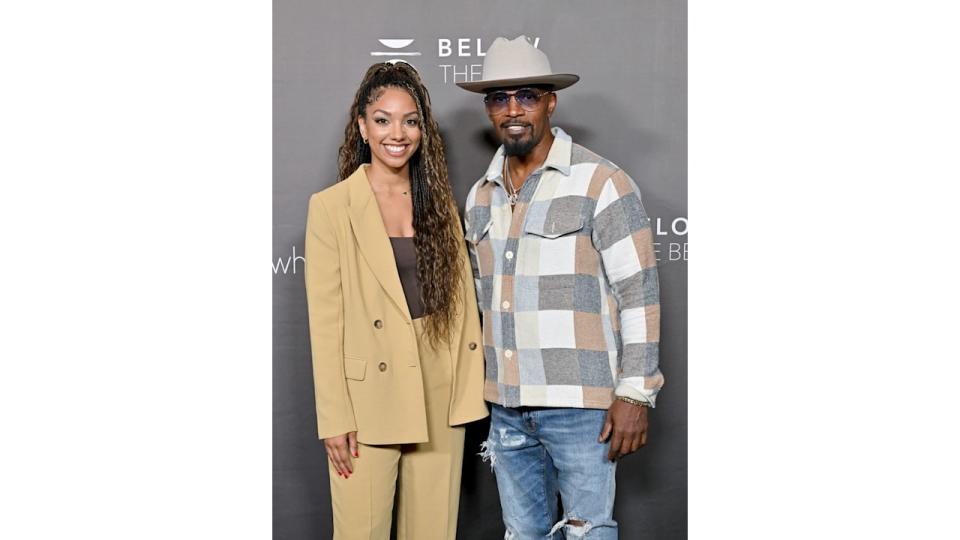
(436, 222)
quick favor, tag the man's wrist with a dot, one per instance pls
(633, 401)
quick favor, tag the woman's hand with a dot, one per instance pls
(339, 450)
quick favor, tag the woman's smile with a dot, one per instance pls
(396, 150)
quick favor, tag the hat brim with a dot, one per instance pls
(558, 81)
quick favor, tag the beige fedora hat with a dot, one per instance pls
(514, 63)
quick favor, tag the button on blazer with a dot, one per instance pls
(366, 364)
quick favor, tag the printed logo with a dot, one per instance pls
(395, 44)
(670, 251)
(289, 265)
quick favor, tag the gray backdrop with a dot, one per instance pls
(630, 107)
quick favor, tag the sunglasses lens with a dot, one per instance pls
(496, 101)
(527, 99)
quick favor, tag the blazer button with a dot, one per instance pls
(473, 346)
(382, 366)
(378, 324)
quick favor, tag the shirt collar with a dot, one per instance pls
(558, 157)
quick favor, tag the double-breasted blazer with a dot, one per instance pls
(366, 364)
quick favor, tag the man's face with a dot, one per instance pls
(520, 116)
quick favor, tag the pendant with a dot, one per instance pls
(512, 197)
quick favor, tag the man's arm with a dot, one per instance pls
(624, 238)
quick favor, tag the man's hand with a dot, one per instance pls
(339, 449)
(628, 423)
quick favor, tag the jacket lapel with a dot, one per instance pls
(371, 235)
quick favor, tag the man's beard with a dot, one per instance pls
(520, 147)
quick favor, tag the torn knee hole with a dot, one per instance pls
(576, 527)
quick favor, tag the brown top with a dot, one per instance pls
(406, 256)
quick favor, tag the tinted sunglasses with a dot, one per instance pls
(527, 99)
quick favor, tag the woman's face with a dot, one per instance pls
(392, 128)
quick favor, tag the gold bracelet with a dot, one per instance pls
(633, 401)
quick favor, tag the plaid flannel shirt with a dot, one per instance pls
(567, 282)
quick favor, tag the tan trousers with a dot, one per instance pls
(427, 474)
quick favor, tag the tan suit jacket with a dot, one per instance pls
(366, 364)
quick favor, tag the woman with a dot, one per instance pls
(394, 326)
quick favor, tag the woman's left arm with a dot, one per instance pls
(325, 305)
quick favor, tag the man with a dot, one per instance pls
(566, 277)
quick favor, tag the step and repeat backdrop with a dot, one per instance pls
(630, 106)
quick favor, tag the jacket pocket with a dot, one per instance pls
(556, 227)
(355, 368)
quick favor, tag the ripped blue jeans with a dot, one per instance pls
(538, 453)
